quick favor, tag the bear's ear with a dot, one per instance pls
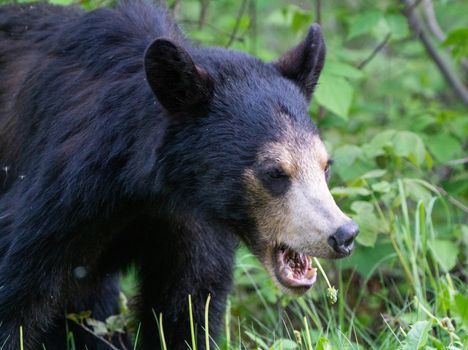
(177, 82)
(303, 63)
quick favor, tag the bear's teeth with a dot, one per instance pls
(303, 260)
(309, 262)
(288, 274)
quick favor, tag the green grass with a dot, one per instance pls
(416, 304)
(407, 301)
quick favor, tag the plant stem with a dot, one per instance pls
(207, 331)
(192, 328)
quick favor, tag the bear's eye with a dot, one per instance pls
(276, 181)
(276, 174)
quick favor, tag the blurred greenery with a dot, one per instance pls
(398, 133)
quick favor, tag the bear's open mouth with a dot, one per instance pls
(293, 269)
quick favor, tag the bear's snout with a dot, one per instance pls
(342, 241)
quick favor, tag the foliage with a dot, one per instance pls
(398, 135)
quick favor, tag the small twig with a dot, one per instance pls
(207, 24)
(432, 20)
(203, 13)
(124, 347)
(237, 24)
(448, 74)
(458, 161)
(412, 6)
(108, 343)
(318, 12)
(439, 322)
(453, 200)
(253, 25)
(175, 7)
(321, 114)
(434, 27)
(374, 52)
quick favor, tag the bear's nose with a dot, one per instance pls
(342, 241)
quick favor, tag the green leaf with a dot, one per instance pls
(379, 144)
(417, 336)
(374, 173)
(398, 26)
(461, 308)
(79, 317)
(382, 187)
(335, 94)
(444, 147)
(61, 2)
(323, 344)
(350, 191)
(342, 69)
(445, 253)
(285, 344)
(364, 23)
(346, 155)
(366, 259)
(349, 162)
(369, 223)
(116, 323)
(457, 40)
(292, 16)
(408, 144)
(300, 18)
(416, 191)
(99, 327)
(257, 340)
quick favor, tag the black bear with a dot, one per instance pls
(122, 143)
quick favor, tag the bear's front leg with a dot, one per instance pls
(47, 241)
(194, 262)
(38, 280)
(31, 279)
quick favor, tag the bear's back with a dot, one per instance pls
(25, 31)
(54, 58)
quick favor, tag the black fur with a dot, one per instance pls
(97, 174)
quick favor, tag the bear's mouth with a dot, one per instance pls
(293, 270)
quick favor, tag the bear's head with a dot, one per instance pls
(242, 153)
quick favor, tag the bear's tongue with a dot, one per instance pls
(295, 269)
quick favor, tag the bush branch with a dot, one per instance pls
(435, 28)
(447, 73)
(374, 52)
(105, 341)
(237, 24)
